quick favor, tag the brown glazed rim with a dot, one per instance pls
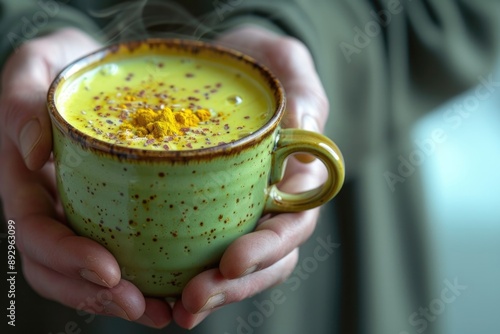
(189, 47)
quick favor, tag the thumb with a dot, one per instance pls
(290, 60)
(22, 105)
(26, 78)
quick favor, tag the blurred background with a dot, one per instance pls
(461, 182)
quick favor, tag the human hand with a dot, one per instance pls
(55, 259)
(268, 255)
(59, 265)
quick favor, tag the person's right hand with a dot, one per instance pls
(59, 265)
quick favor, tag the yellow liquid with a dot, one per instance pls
(99, 100)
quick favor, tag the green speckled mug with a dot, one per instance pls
(167, 215)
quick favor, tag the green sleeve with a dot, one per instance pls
(22, 20)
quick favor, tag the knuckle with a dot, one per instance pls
(322, 105)
(31, 273)
(293, 258)
(292, 53)
(9, 106)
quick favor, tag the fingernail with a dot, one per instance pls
(213, 301)
(114, 309)
(93, 277)
(145, 320)
(249, 270)
(171, 301)
(309, 123)
(30, 135)
(196, 320)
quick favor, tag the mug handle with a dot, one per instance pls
(292, 141)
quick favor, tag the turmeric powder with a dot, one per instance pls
(146, 122)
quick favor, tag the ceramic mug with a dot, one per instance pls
(168, 215)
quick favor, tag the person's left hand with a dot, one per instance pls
(58, 265)
(268, 255)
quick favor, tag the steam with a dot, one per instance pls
(150, 18)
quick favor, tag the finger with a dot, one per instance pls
(301, 177)
(55, 246)
(210, 290)
(21, 186)
(25, 81)
(186, 319)
(280, 234)
(157, 314)
(47, 179)
(124, 300)
(34, 188)
(27, 122)
(272, 240)
(41, 237)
